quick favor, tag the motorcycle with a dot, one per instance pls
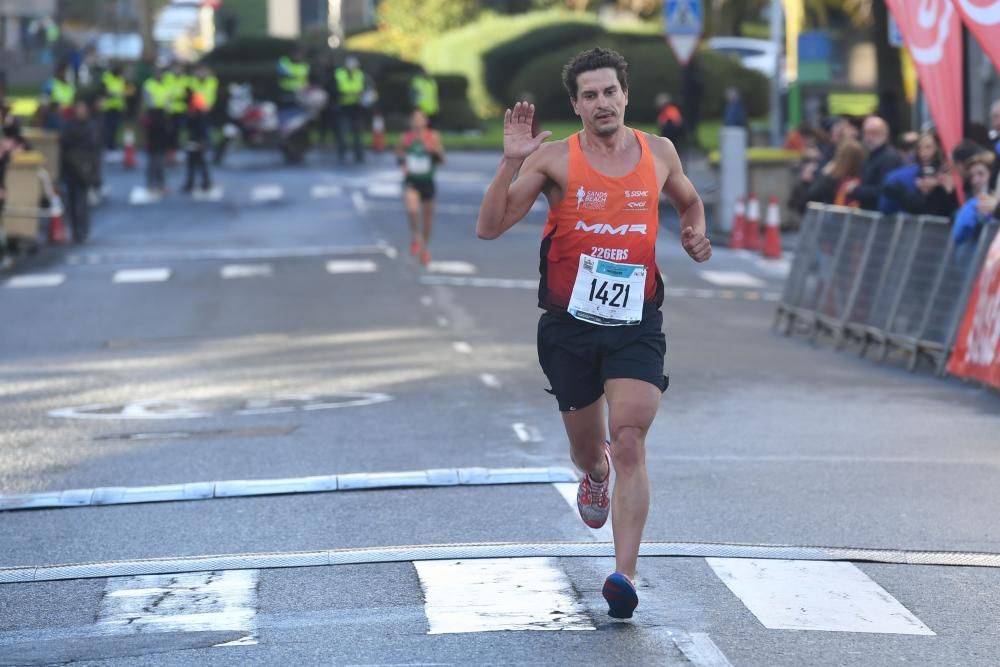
(262, 124)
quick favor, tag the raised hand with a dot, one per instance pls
(696, 244)
(518, 142)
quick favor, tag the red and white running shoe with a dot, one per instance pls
(592, 497)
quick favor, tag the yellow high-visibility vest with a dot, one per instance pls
(177, 85)
(114, 86)
(157, 94)
(209, 89)
(426, 90)
(350, 85)
(63, 93)
(294, 76)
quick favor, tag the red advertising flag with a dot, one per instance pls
(977, 347)
(932, 33)
(982, 17)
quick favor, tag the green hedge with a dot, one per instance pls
(652, 69)
(502, 63)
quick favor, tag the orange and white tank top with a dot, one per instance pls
(598, 253)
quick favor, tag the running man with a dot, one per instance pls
(600, 336)
(419, 153)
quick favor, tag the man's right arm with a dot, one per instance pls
(506, 200)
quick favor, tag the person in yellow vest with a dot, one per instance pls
(178, 82)
(156, 99)
(112, 104)
(61, 92)
(293, 77)
(350, 81)
(424, 93)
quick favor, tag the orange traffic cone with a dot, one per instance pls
(739, 222)
(378, 133)
(751, 228)
(772, 230)
(129, 140)
(57, 229)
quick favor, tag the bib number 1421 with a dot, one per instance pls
(616, 297)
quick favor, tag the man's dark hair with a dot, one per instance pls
(596, 58)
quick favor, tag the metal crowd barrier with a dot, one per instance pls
(898, 283)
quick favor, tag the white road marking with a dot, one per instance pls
(358, 200)
(157, 275)
(526, 433)
(246, 270)
(212, 194)
(443, 322)
(490, 380)
(462, 347)
(460, 268)
(36, 280)
(499, 594)
(815, 595)
(772, 296)
(324, 191)
(193, 602)
(351, 266)
(699, 649)
(266, 193)
(236, 253)
(703, 293)
(384, 190)
(459, 281)
(676, 291)
(140, 195)
(778, 267)
(426, 300)
(731, 279)
(568, 491)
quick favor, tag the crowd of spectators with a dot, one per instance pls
(856, 164)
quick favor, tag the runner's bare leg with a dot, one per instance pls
(412, 200)
(586, 431)
(427, 209)
(632, 406)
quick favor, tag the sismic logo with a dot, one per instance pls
(603, 228)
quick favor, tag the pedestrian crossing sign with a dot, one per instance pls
(682, 23)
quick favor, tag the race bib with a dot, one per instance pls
(418, 165)
(608, 293)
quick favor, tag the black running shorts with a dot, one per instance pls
(424, 188)
(578, 357)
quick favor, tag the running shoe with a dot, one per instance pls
(414, 247)
(425, 257)
(620, 593)
(592, 498)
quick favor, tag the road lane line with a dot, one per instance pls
(490, 380)
(443, 322)
(699, 649)
(236, 254)
(157, 275)
(358, 200)
(36, 280)
(266, 193)
(192, 602)
(325, 191)
(499, 594)
(453, 267)
(731, 279)
(812, 595)
(460, 281)
(462, 347)
(336, 266)
(231, 271)
(526, 433)
(426, 300)
(384, 190)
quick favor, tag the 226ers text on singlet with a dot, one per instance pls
(598, 254)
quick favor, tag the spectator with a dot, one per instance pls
(692, 87)
(79, 150)
(960, 156)
(197, 140)
(882, 158)
(840, 129)
(156, 98)
(734, 115)
(925, 187)
(350, 89)
(840, 177)
(424, 96)
(983, 205)
(113, 106)
(908, 143)
(669, 118)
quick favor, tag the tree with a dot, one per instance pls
(407, 24)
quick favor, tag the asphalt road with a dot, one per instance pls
(283, 332)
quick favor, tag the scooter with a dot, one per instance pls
(262, 124)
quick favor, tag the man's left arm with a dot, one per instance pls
(685, 199)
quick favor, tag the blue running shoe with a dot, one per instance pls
(621, 596)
